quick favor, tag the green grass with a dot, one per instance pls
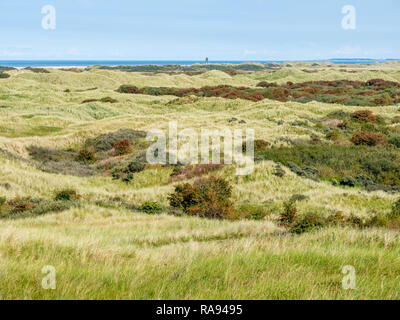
(105, 251)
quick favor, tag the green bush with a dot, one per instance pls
(66, 195)
(108, 100)
(251, 211)
(278, 171)
(364, 180)
(150, 207)
(4, 75)
(86, 155)
(306, 223)
(395, 140)
(289, 214)
(3, 200)
(136, 166)
(206, 197)
(348, 181)
(106, 142)
(395, 214)
(333, 135)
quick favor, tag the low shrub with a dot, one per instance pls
(364, 180)
(348, 182)
(368, 138)
(279, 171)
(150, 207)
(306, 223)
(190, 171)
(108, 100)
(66, 195)
(364, 116)
(309, 172)
(123, 147)
(206, 197)
(395, 140)
(4, 75)
(333, 135)
(251, 211)
(27, 207)
(86, 155)
(3, 200)
(299, 198)
(106, 142)
(289, 214)
(37, 70)
(89, 101)
(266, 84)
(136, 166)
(395, 214)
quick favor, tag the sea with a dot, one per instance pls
(85, 63)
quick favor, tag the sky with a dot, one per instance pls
(193, 29)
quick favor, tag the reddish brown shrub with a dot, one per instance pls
(280, 94)
(368, 138)
(123, 147)
(380, 101)
(364, 116)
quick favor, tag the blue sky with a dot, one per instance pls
(193, 29)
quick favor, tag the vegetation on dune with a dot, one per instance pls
(324, 192)
(375, 92)
(196, 68)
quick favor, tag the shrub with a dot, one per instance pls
(333, 135)
(105, 142)
(368, 138)
(136, 166)
(150, 207)
(364, 180)
(127, 177)
(66, 195)
(289, 213)
(86, 155)
(21, 204)
(307, 223)
(190, 171)
(348, 181)
(259, 145)
(4, 75)
(89, 101)
(207, 197)
(37, 70)
(108, 100)
(278, 171)
(364, 116)
(123, 147)
(129, 89)
(3, 200)
(266, 84)
(395, 214)
(178, 170)
(299, 198)
(309, 172)
(395, 140)
(251, 211)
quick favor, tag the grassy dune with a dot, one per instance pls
(106, 251)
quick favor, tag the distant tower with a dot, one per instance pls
(207, 60)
